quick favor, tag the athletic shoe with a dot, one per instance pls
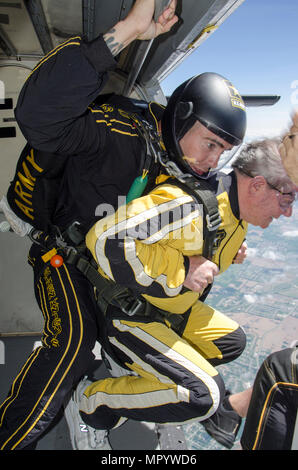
(83, 436)
(223, 425)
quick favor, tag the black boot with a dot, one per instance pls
(223, 425)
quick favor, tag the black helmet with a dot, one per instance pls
(210, 99)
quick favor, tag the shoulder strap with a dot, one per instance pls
(203, 194)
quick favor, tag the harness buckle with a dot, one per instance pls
(133, 306)
(213, 221)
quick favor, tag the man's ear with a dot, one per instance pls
(257, 184)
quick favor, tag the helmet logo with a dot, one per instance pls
(236, 98)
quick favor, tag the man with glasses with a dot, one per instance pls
(174, 379)
(259, 168)
(270, 406)
(265, 192)
(272, 420)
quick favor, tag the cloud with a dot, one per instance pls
(291, 233)
(250, 298)
(252, 251)
(269, 254)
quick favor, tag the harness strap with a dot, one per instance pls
(202, 193)
(110, 293)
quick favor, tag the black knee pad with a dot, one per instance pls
(231, 346)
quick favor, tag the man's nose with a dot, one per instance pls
(214, 158)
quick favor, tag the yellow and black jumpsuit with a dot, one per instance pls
(145, 246)
(82, 153)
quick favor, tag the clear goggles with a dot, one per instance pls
(226, 157)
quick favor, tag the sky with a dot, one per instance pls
(256, 48)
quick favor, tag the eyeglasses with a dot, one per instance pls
(285, 199)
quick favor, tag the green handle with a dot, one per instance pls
(137, 188)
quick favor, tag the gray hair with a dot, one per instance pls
(262, 157)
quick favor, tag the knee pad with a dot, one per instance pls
(231, 346)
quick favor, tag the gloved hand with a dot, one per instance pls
(18, 225)
(289, 150)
